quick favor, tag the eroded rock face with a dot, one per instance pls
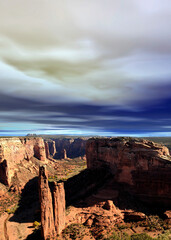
(64, 154)
(52, 202)
(39, 149)
(14, 150)
(59, 206)
(73, 147)
(143, 165)
(47, 217)
(52, 148)
(47, 150)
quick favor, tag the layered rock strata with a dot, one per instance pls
(143, 166)
(47, 150)
(59, 206)
(14, 150)
(52, 148)
(52, 203)
(72, 147)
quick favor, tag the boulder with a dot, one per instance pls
(132, 216)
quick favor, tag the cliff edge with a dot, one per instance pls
(16, 149)
(143, 166)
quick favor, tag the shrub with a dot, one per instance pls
(142, 236)
(36, 224)
(118, 236)
(11, 210)
(125, 236)
(7, 210)
(154, 223)
(165, 236)
(74, 231)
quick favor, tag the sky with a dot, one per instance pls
(94, 67)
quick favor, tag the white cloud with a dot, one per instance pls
(111, 52)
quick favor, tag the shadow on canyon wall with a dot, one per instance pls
(86, 189)
(78, 188)
(28, 207)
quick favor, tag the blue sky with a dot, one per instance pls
(85, 67)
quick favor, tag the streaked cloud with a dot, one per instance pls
(110, 60)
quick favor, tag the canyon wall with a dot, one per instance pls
(66, 147)
(143, 166)
(47, 150)
(52, 203)
(12, 152)
(52, 147)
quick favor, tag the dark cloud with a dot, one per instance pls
(85, 67)
(80, 117)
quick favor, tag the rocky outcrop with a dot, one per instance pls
(73, 147)
(4, 172)
(52, 202)
(39, 149)
(47, 217)
(167, 216)
(132, 216)
(64, 154)
(47, 150)
(59, 206)
(14, 150)
(52, 148)
(143, 166)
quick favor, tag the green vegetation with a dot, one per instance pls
(125, 236)
(12, 210)
(69, 169)
(118, 236)
(123, 226)
(153, 223)
(142, 236)
(74, 231)
(165, 236)
(7, 201)
(36, 224)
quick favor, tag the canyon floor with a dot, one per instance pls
(20, 213)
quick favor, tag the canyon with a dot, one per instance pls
(62, 148)
(126, 180)
(140, 168)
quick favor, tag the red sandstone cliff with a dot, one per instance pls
(47, 217)
(52, 204)
(73, 147)
(143, 165)
(47, 150)
(14, 150)
(59, 206)
(52, 148)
